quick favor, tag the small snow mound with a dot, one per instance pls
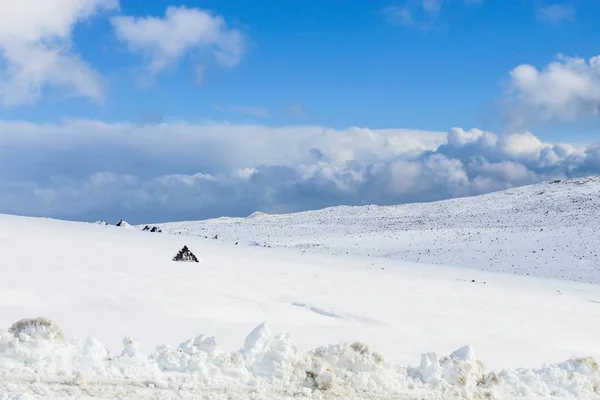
(461, 368)
(101, 222)
(201, 343)
(465, 353)
(256, 341)
(36, 328)
(258, 214)
(153, 229)
(185, 255)
(130, 347)
(123, 224)
(273, 358)
(356, 357)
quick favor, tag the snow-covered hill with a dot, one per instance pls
(547, 230)
(108, 283)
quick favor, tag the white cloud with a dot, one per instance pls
(165, 41)
(458, 137)
(245, 173)
(181, 171)
(556, 12)
(36, 49)
(222, 146)
(566, 89)
(187, 180)
(523, 146)
(510, 172)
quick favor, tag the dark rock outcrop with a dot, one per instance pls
(185, 255)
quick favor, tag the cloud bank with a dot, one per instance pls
(164, 172)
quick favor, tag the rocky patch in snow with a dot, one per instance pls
(185, 255)
(37, 328)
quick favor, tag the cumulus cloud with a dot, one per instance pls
(36, 49)
(565, 90)
(184, 171)
(164, 41)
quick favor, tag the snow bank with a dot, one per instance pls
(269, 366)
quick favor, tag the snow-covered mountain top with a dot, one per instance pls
(547, 229)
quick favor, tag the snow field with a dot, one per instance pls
(546, 230)
(100, 282)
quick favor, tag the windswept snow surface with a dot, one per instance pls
(546, 230)
(138, 325)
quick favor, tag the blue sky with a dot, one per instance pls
(349, 63)
(228, 74)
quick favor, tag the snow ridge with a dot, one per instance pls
(546, 230)
(268, 366)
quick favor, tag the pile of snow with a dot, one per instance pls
(546, 230)
(102, 222)
(268, 366)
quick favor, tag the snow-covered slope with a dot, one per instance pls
(109, 283)
(548, 230)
